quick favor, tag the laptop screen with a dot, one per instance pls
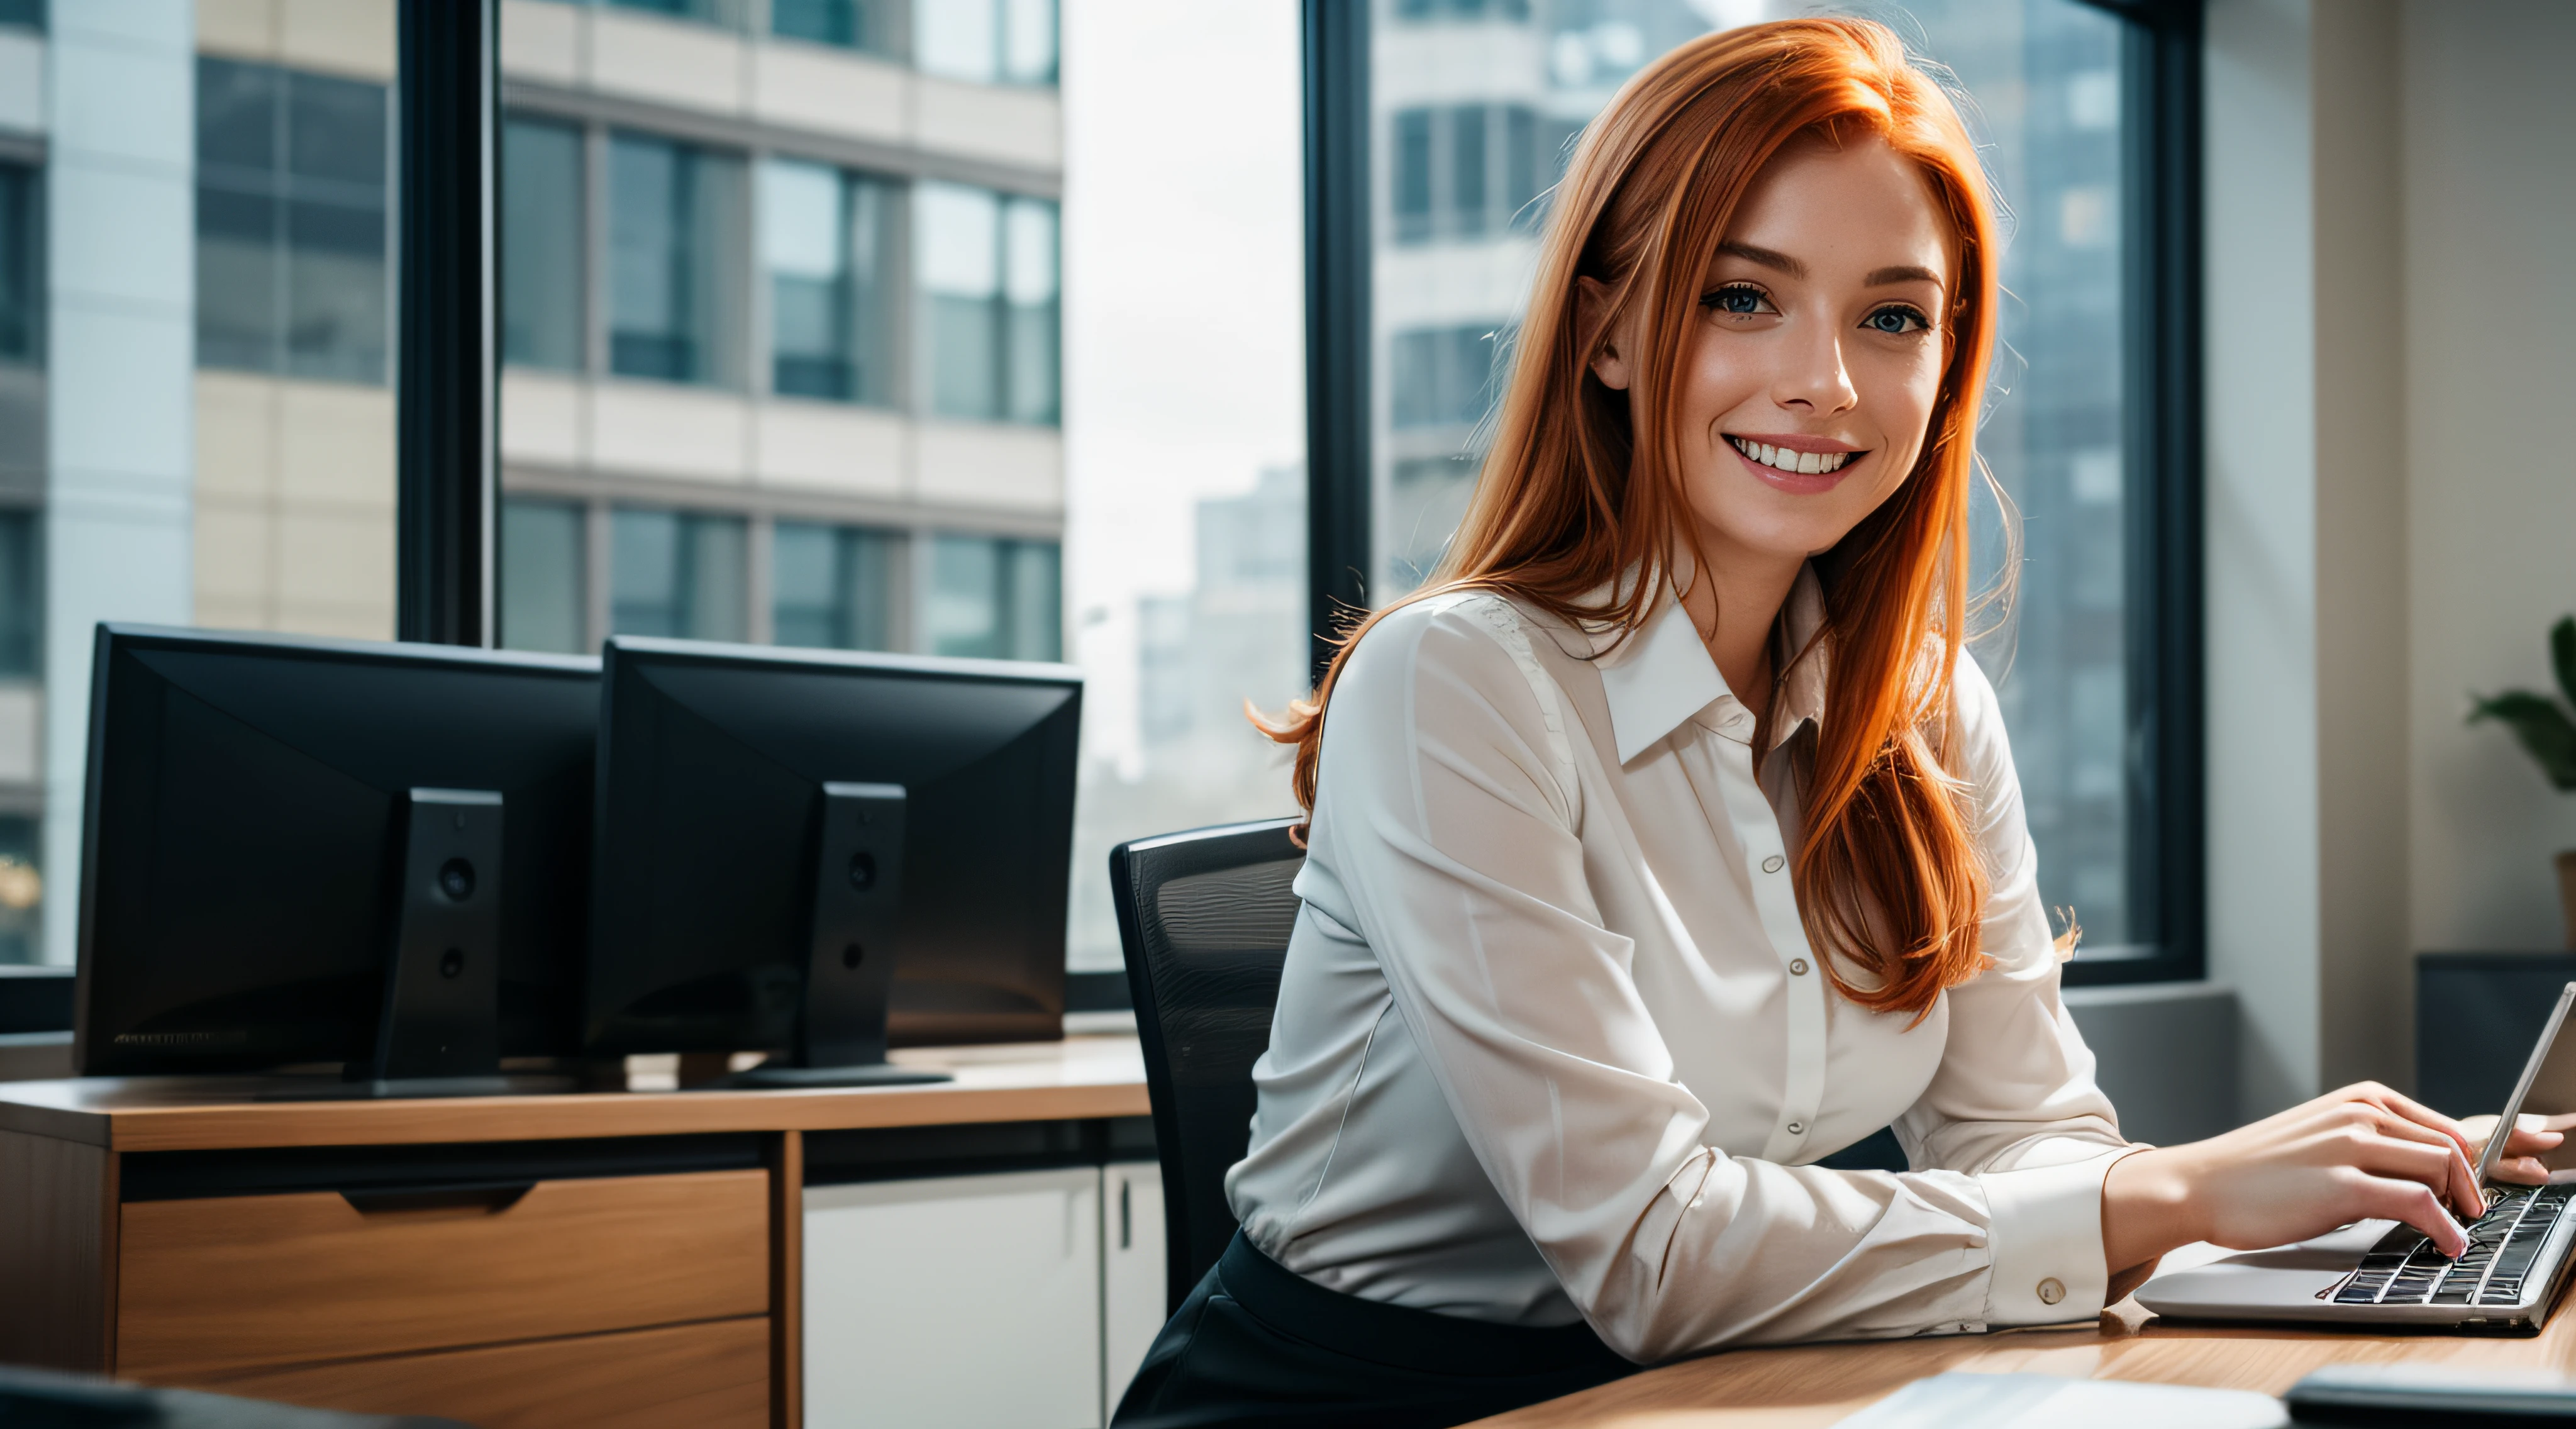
(2547, 1088)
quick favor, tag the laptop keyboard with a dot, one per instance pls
(2405, 1269)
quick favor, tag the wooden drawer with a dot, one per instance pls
(682, 1376)
(237, 1281)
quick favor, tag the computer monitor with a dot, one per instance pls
(304, 851)
(825, 853)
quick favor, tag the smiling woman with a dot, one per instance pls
(1667, 842)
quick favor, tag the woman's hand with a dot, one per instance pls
(2519, 1162)
(2360, 1153)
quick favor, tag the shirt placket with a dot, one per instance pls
(1766, 866)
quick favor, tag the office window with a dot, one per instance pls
(986, 41)
(851, 24)
(727, 13)
(291, 225)
(677, 573)
(541, 244)
(1467, 159)
(21, 291)
(542, 569)
(673, 214)
(22, 889)
(989, 280)
(28, 14)
(826, 239)
(832, 587)
(1463, 171)
(22, 595)
(992, 598)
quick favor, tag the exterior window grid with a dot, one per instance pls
(1468, 171)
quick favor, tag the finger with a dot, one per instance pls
(2422, 1115)
(2457, 1178)
(2417, 1206)
(2520, 1171)
(2528, 1139)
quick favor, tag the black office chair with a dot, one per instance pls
(1205, 917)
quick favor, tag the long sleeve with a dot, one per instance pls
(1450, 836)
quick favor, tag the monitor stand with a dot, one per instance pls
(850, 956)
(438, 1033)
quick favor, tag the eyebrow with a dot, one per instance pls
(1774, 259)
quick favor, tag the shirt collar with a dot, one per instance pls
(1662, 675)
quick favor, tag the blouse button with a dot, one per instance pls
(1771, 864)
(1799, 1128)
(1797, 967)
(2050, 1291)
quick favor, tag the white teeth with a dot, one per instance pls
(1802, 463)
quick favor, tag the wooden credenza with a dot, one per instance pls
(622, 1258)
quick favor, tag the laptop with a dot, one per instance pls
(2386, 1274)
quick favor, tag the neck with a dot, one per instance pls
(1733, 603)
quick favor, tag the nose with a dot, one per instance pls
(1812, 376)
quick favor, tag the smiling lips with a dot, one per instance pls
(1791, 462)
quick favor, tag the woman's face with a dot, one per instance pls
(1814, 354)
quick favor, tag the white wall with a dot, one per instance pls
(2389, 187)
(2489, 315)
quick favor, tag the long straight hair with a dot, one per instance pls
(1578, 510)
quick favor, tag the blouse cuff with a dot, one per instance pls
(2045, 1240)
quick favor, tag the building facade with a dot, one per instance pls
(780, 327)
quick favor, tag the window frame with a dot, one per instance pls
(2160, 218)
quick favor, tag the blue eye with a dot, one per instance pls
(1895, 321)
(1737, 301)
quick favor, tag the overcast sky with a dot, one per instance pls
(1184, 339)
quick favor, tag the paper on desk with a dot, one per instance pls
(2046, 1401)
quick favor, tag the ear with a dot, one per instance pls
(1591, 313)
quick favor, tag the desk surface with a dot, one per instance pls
(1808, 1385)
(1077, 1078)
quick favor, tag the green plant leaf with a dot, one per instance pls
(2540, 724)
(2562, 654)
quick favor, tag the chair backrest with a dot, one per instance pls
(1205, 918)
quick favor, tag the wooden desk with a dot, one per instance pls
(1808, 1385)
(504, 1303)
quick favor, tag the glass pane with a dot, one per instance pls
(18, 281)
(335, 130)
(669, 219)
(1028, 41)
(237, 115)
(804, 239)
(541, 267)
(336, 291)
(238, 246)
(1031, 292)
(833, 586)
(829, 22)
(957, 39)
(958, 253)
(29, 14)
(22, 890)
(677, 574)
(2046, 76)
(993, 598)
(1468, 156)
(542, 590)
(1184, 562)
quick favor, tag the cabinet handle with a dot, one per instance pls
(1126, 1215)
(492, 1196)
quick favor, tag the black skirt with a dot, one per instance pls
(1257, 1346)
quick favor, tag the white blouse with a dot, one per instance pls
(1551, 1042)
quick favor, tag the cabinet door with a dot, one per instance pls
(966, 1300)
(1132, 1288)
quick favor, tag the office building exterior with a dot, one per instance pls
(780, 328)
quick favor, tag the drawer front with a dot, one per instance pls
(683, 1376)
(238, 1281)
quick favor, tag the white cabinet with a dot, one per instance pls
(971, 1301)
(1131, 1279)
